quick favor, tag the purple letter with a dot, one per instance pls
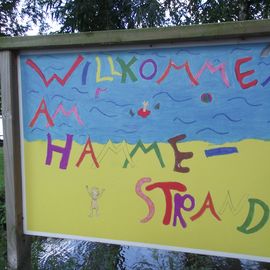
(179, 203)
(65, 151)
(154, 71)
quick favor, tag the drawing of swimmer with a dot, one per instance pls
(95, 193)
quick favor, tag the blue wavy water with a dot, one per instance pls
(108, 107)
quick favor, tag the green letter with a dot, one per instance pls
(263, 221)
(141, 146)
(126, 69)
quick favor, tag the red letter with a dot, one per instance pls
(166, 188)
(208, 203)
(89, 151)
(42, 109)
(185, 66)
(240, 76)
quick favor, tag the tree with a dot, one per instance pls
(9, 18)
(84, 15)
(17, 16)
(212, 11)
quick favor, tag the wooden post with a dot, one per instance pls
(18, 245)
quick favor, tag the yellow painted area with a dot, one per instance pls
(57, 200)
(112, 68)
(98, 73)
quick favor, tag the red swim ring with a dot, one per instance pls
(143, 113)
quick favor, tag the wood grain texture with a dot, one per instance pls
(18, 245)
(204, 32)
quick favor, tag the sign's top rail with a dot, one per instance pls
(203, 32)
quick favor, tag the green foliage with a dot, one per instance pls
(84, 15)
(1, 172)
(169, 260)
(9, 17)
(211, 11)
(103, 256)
(97, 256)
(200, 262)
(53, 261)
(3, 244)
(36, 249)
(17, 16)
(178, 11)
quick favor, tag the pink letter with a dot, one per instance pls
(150, 204)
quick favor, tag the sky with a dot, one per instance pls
(55, 26)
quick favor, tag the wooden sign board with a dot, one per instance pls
(163, 147)
(159, 147)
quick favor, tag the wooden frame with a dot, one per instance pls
(18, 244)
(217, 31)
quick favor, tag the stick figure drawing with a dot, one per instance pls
(94, 193)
